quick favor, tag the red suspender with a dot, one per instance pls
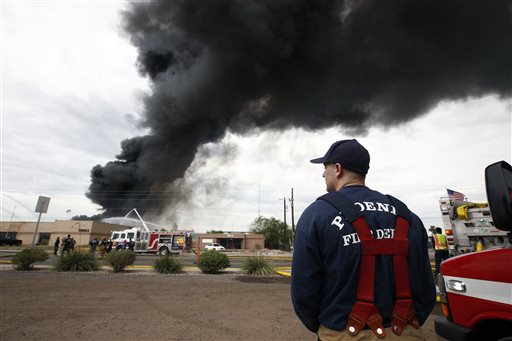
(364, 312)
(403, 311)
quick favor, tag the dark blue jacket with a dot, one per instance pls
(326, 262)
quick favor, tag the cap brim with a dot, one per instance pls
(318, 160)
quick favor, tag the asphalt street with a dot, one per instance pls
(188, 259)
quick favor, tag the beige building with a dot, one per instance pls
(233, 240)
(85, 230)
(82, 231)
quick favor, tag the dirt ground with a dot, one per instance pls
(45, 305)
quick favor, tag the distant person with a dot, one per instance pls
(131, 245)
(93, 245)
(479, 244)
(68, 245)
(103, 246)
(110, 243)
(56, 246)
(360, 266)
(441, 249)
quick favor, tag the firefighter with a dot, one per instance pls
(56, 246)
(68, 245)
(131, 245)
(93, 245)
(342, 293)
(441, 249)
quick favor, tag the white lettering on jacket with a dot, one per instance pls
(376, 206)
(353, 238)
(337, 221)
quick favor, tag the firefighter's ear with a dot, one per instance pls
(339, 170)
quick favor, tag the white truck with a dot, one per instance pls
(163, 243)
(147, 240)
(467, 224)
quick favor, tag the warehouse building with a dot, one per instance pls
(81, 230)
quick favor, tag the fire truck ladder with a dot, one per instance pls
(140, 218)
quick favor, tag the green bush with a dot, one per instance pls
(212, 261)
(119, 260)
(167, 265)
(77, 261)
(25, 259)
(258, 266)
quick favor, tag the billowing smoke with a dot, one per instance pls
(240, 65)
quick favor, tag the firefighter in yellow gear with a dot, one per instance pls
(441, 248)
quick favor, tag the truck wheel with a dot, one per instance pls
(164, 251)
(119, 248)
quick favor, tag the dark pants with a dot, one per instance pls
(441, 255)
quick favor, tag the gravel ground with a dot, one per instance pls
(46, 305)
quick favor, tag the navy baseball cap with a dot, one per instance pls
(348, 153)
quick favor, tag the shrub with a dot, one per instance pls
(167, 265)
(25, 259)
(258, 266)
(257, 247)
(77, 261)
(212, 261)
(120, 259)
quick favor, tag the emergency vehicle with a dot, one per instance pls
(467, 224)
(476, 288)
(149, 241)
(163, 243)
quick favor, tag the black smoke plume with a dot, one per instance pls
(238, 65)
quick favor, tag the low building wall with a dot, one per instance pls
(82, 231)
(233, 241)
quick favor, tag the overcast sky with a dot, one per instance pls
(71, 92)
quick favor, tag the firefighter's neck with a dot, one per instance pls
(346, 181)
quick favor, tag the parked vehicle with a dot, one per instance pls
(10, 241)
(476, 287)
(214, 246)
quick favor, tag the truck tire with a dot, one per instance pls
(163, 251)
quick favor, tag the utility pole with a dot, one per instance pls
(293, 220)
(284, 210)
(285, 227)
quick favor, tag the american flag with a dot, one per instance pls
(454, 195)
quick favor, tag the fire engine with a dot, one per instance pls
(163, 243)
(467, 224)
(476, 288)
(149, 241)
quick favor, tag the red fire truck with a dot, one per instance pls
(163, 243)
(476, 288)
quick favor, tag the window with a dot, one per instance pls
(123, 235)
(115, 236)
(44, 239)
(8, 235)
(469, 224)
(130, 235)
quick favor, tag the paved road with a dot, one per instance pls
(188, 259)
